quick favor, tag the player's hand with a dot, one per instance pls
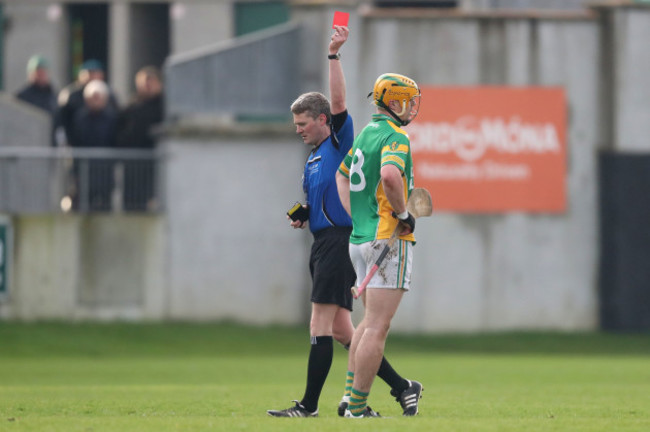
(407, 223)
(338, 38)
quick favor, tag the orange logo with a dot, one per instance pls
(491, 149)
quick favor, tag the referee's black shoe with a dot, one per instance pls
(295, 411)
(409, 398)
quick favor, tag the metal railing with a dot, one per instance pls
(84, 180)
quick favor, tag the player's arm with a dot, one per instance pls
(393, 184)
(393, 163)
(391, 180)
(343, 182)
(343, 186)
(336, 77)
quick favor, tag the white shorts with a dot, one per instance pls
(393, 273)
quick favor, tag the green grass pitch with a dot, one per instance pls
(223, 377)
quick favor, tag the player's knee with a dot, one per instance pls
(380, 328)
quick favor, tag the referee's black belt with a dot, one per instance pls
(333, 231)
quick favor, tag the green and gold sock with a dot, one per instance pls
(349, 379)
(358, 402)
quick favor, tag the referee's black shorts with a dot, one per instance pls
(331, 270)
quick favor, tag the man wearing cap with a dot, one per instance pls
(71, 98)
(38, 91)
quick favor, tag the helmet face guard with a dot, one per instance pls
(401, 89)
(411, 106)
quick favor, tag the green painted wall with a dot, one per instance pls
(253, 16)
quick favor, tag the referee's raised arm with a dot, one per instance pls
(336, 77)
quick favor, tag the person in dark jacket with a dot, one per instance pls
(134, 130)
(144, 111)
(71, 98)
(38, 91)
(94, 125)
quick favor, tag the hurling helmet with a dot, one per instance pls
(395, 87)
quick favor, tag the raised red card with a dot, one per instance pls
(340, 19)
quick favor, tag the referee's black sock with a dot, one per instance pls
(320, 361)
(389, 375)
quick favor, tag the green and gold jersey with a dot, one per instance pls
(380, 143)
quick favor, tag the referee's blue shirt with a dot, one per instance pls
(319, 178)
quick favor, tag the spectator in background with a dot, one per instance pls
(71, 98)
(134, 130)
(38, 91)
(94, 125)
(144, 111)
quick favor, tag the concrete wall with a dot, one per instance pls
(486, 272)
(629, 32)
(224, 250)
(24, 183)
(522, 4)
(87, 267)
(231, 252)
(512, 270)
(22, 125)
(196, 24)
(36, 28)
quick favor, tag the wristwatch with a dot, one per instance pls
(336, 56)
